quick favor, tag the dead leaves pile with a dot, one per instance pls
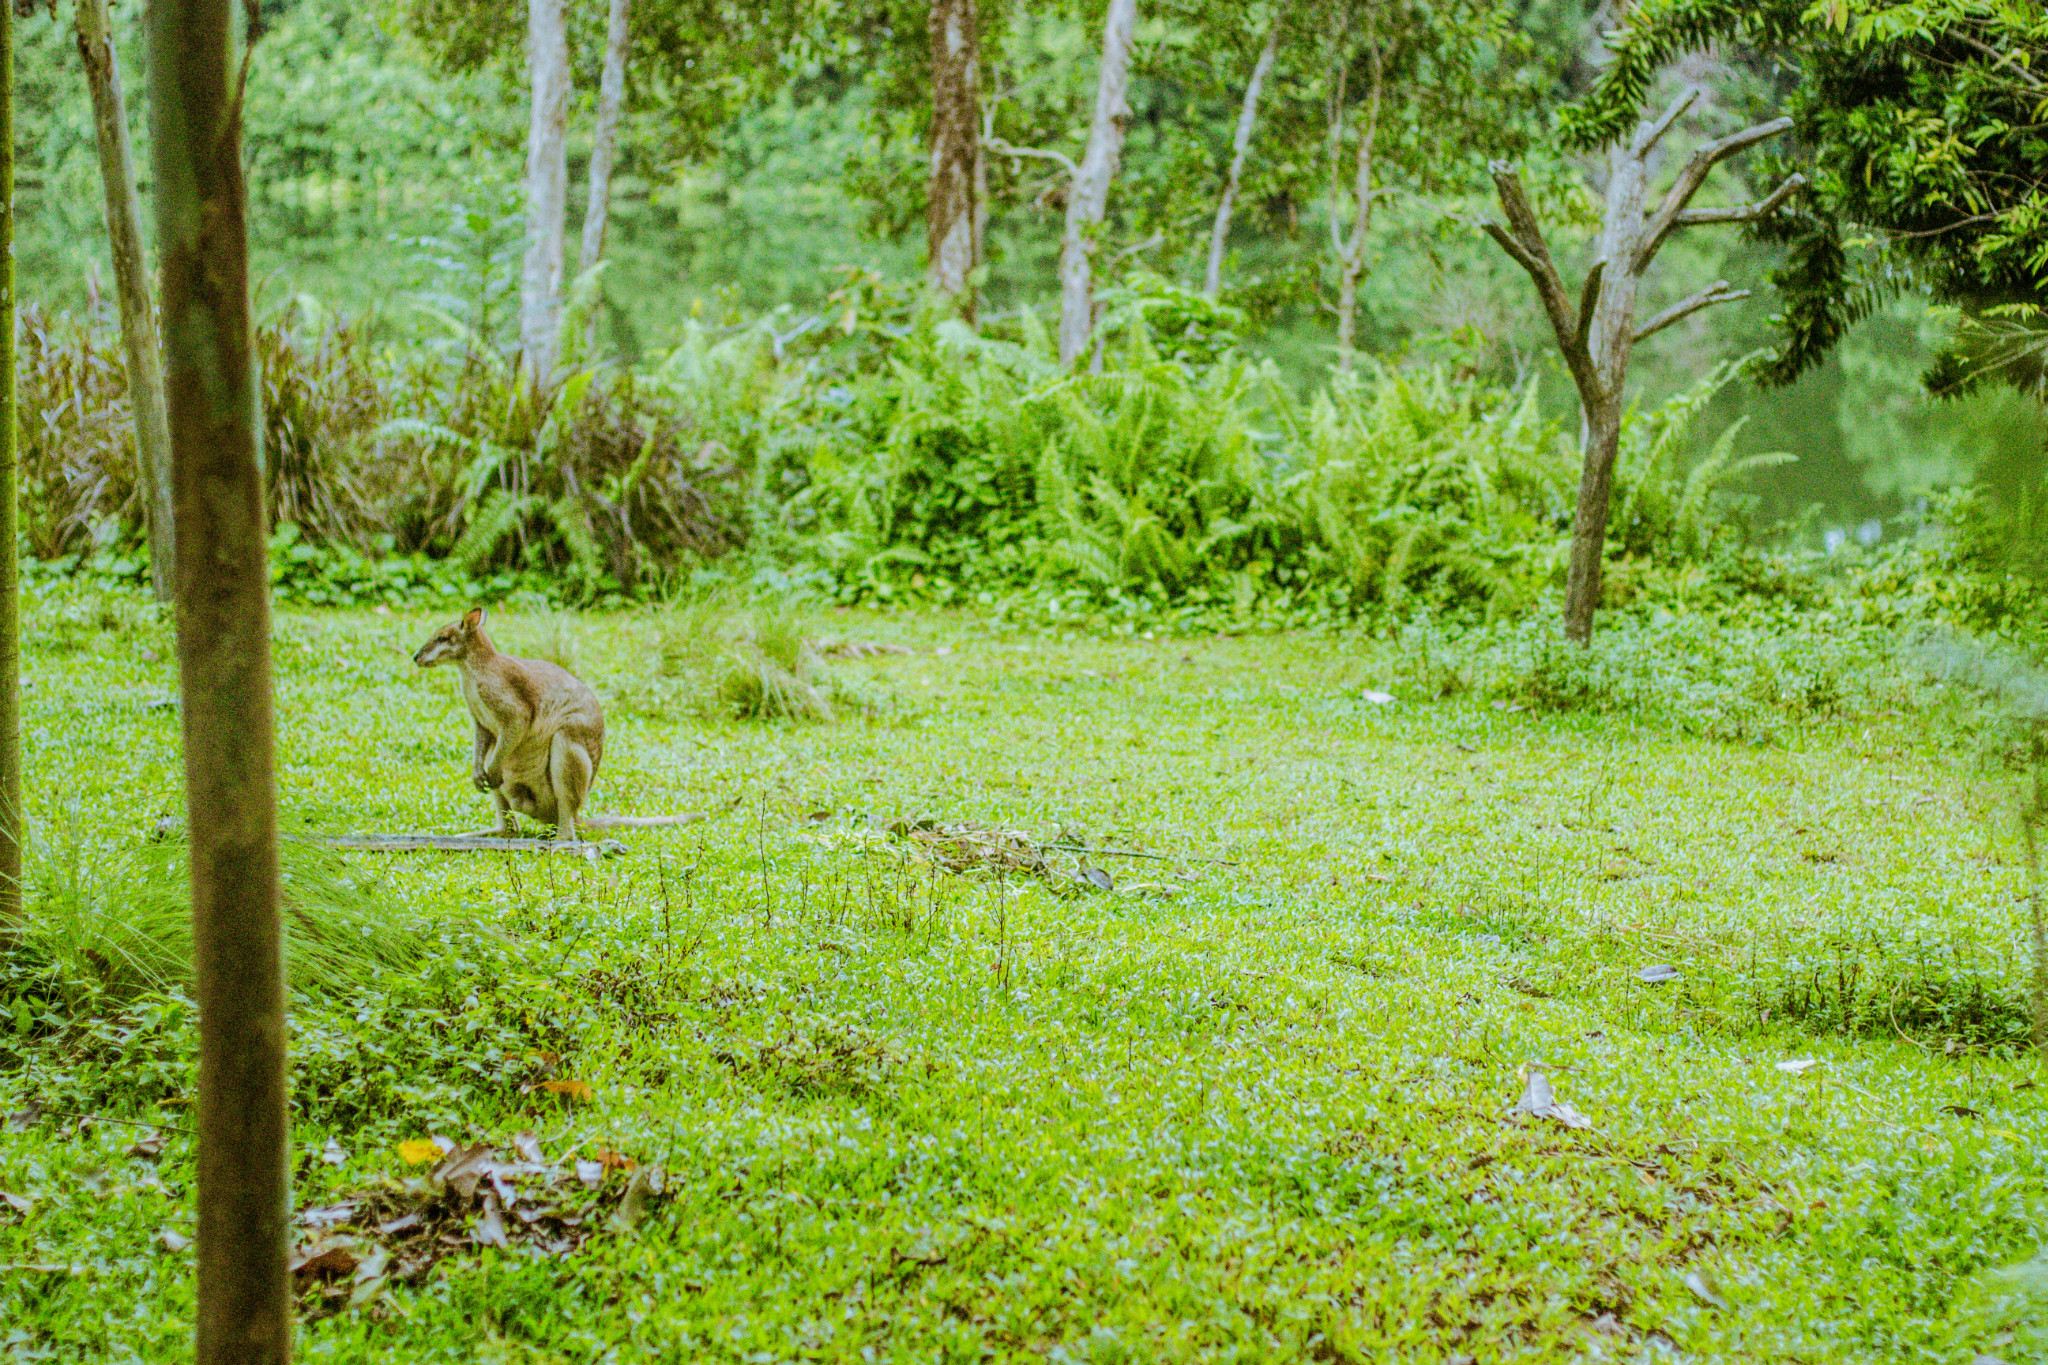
(473, 1197)
(961, 847)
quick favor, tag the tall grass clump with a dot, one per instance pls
(746, 657)
(116, 924)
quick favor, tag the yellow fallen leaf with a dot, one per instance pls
(575, 1090)
(415, 1150)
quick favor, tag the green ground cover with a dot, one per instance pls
(1250, 1104)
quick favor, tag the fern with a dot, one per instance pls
(500, 514)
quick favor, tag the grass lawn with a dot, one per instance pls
(1251, 1104)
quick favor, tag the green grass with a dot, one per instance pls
(1252, 1108)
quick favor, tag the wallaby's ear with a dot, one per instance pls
(473, 619)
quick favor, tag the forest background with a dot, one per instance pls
(782, 198)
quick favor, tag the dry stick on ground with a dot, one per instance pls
(244, 1301)
(611, 97)
(10, 569)
(1247, 119)
(131, 288)
(467, 843)
(1088, 195)
(951, 241)
(1597, 333)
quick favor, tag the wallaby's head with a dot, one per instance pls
(452, 642)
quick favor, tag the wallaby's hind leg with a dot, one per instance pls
(508, 823)
(570, 769)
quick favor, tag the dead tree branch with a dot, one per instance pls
(1717, 292)
(1694, 175)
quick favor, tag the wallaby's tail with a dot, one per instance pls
(634, 821)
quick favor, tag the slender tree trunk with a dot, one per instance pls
(1351, 254)
(10, 526)
(980, 202)
(1247, 119)
(1597, 334)
(1609, 341)
(611, 98)
(955, 152)
(224, 674)
(1599, 443)
(547, 191)
(1088, 195)
(131, 287)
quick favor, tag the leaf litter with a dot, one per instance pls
(474, 1196)
(967, 846)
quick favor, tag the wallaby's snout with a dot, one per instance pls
(450, 642)
(434, 651)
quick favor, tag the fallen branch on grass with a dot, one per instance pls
(476, 843)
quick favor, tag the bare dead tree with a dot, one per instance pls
(1088, 196)
(547, 191)
(131, 287)
(1240, 148)
(224, 675)
(1596, 333)
(952, 215)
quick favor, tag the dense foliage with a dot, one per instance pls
(1916, 122)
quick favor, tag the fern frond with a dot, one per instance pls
(499, 515)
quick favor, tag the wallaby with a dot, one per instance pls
(539, 732)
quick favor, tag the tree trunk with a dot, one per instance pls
(10, 526)
(1609, 341)
(131, 287)
(1247, 118)
(1600, 442)
(1598, 334)
(611, 98)
(547, 192)
(1088, 195)
(955, 148)
(245, 1304)
(980, 202)
(1351, 254)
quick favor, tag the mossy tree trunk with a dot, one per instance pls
(131, 287)
(244, 1308)
(951, 235)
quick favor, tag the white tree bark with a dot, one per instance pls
(547, 191)
(131, 287)
(611, 97)
(1088, 194)
(1247, 119)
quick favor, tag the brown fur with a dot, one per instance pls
(539, 732)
